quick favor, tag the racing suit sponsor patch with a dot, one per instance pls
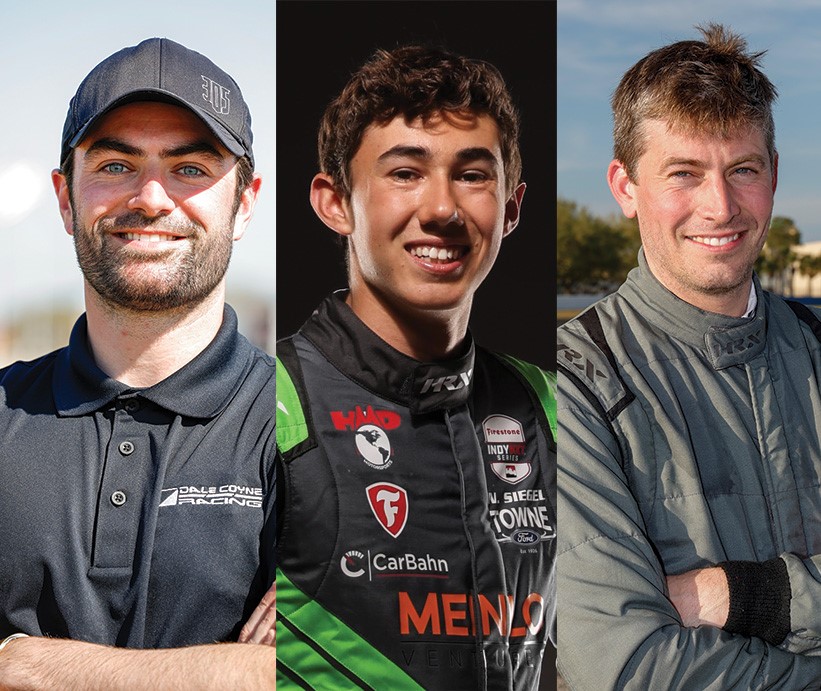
(505, 445)
(520, 517)
(369, 426)
(384, 565)
(389, 504)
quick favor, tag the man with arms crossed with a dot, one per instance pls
(690, 407)
(418, 470)
(136, 464)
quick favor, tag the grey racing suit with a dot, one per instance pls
(688, 439)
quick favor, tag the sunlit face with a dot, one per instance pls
(427, 211)
(152, 207)
(703, 204)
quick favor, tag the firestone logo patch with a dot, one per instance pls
(369, 425)
(389, 504)
(505, 443)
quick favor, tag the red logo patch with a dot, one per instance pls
(389, 504)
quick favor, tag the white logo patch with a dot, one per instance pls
(506, 445)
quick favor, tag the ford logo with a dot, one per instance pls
(525, 537)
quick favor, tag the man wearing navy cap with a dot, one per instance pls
(136, 464)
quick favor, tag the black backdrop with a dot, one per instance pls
(319, 44)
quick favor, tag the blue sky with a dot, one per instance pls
(598, 41)
(46, 49)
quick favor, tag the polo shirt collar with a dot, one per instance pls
(200, 389)
(355, 350)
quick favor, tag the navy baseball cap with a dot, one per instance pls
(159, 69)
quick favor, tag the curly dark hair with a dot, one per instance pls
(415, 81)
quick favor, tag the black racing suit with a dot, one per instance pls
(417, 514)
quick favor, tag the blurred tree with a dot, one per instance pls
(810, 266)
(593, 254)
(777, 259)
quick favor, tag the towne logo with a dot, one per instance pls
(521, 517)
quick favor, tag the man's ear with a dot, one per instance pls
(58, 180)
(247, 202)
(329, 204)
(622, 188)
(775, 171)
(513, 208)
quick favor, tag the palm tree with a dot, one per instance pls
(810, 266)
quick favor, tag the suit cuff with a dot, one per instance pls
(759, 599)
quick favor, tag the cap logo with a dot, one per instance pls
(216, 95)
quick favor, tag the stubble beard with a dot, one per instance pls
(142, 282)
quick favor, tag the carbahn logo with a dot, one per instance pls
(389, 504)
(506, 446)
(351, 563)
(382, 565)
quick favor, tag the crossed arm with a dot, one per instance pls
(38, 663)
(647, 627)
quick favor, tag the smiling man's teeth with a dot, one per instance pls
(437, 253)
(145, 237)
(715, 242)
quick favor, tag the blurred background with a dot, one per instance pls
(46, 49)
(596, 44)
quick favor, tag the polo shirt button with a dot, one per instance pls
(126, 448)
(132, 404)
(118, 498)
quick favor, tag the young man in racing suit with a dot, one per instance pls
(690, 407)
(418, 470)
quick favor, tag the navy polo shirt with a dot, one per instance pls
(137, 517)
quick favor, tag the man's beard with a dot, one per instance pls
(153, 282)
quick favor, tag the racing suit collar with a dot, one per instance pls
(727, 341)
(362, 356)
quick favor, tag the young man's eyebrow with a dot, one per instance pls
(476, 153)
(405, 150)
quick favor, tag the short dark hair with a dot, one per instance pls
(713, 86)
(415, 81)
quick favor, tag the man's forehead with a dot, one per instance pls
(666, 136)
(460, 130)
(152, 124)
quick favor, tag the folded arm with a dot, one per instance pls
(36, 663)
(614, 592)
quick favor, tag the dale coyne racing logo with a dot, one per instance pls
(505, 444)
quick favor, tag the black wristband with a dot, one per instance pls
(759, 599)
